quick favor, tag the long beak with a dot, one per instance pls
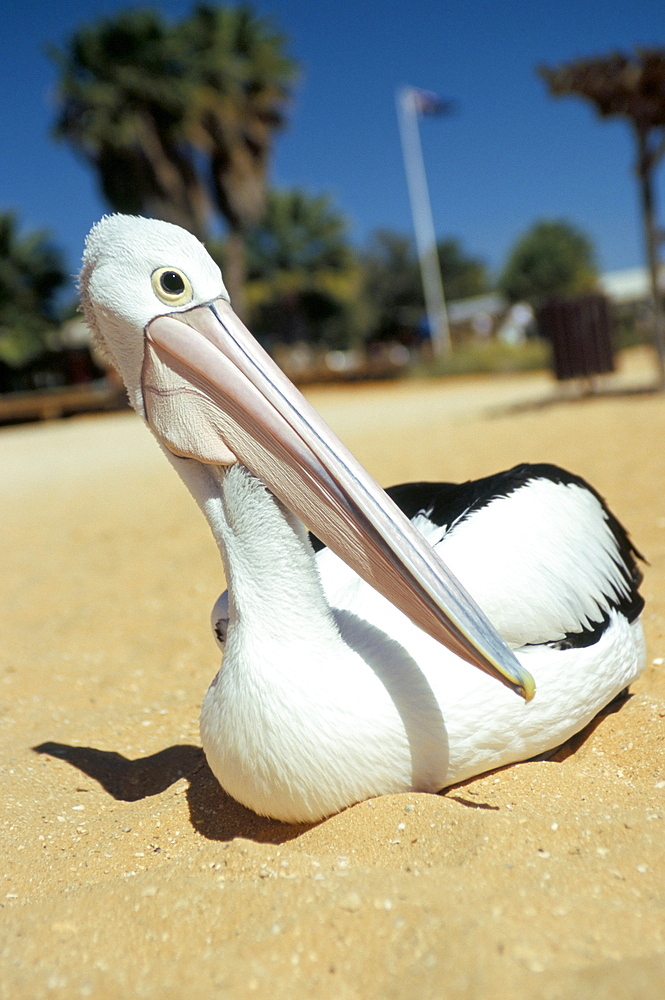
(213, 394)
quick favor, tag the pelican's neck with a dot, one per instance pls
(275, 591)
(311, 709)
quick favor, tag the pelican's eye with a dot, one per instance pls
(171, 286)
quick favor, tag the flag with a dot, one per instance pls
(426, 102)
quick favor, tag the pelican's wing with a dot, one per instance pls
(536, 546)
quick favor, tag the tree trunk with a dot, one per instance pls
(645, 164)
(235, 270)
(183, 199)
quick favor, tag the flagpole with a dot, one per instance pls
(423, 224)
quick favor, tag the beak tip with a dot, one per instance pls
(527, 687)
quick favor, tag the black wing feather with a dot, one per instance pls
(450, 503)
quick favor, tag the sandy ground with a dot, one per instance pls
(127, 872)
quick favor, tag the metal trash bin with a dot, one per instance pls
(580, 332)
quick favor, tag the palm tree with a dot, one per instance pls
(178, 119)
(31, 272)
(303, 277)
(633, 88)
(242, 81)
(123, 97)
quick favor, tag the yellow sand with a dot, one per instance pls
(127, 872)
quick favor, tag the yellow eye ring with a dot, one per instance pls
(171, 286)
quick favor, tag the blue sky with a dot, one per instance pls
(509, 155)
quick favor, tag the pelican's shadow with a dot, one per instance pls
(213, 813)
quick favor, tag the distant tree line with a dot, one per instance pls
(306, 282)
(178, 120)
(32, 272)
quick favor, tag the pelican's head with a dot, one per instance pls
(158, 308)
(118, 301)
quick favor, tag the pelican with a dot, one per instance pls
(355, 662)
